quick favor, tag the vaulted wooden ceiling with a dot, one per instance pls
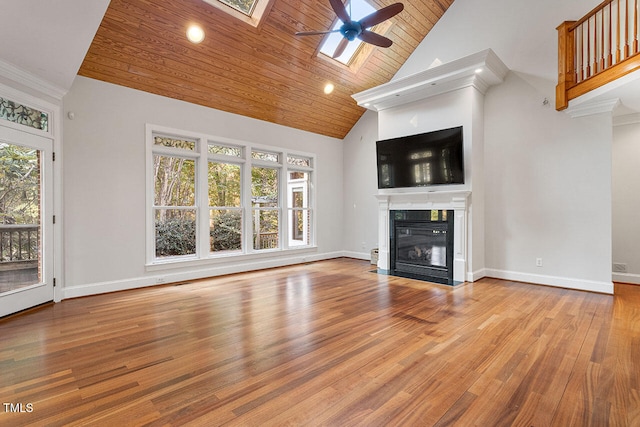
(266, 73)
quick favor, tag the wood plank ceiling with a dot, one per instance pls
(266, 73)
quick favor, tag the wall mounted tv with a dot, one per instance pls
(431, 158)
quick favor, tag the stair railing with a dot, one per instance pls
(597, 49)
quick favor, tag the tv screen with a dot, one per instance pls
(431, 158)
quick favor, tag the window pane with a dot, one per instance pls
(174, 179)
(23, 115)
(298, 185)
(298, 161)
(300, 227)
(175, 232)
(225, 230)
(244, 6)
(224, 184)
(20, 236)
(166, 141)
(265, 229)
(227, 150)
(265, 155)
(264, 187)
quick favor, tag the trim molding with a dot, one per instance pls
(627, 278)
(166, 277)
(560, 282)
(31, 81)
(627, 119)
(480, 70)
(593, 107)
(357, 255)
(473, 276)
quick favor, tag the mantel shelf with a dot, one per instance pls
(417, 197)
(480, 70)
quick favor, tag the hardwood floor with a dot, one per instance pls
(327, 343)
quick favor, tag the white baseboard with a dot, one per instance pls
(626, 278)
(357, 255)
(201, 273)
(560, 282)
(473, 276)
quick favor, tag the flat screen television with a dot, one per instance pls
(431, 158)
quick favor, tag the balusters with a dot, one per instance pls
(598, 42)
(612, 27)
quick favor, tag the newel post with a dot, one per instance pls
(566, 66)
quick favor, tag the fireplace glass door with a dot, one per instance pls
(422, 245)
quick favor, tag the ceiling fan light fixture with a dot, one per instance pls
(195, 33)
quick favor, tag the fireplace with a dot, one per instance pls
(421, 244)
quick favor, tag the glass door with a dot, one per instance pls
(26, 218)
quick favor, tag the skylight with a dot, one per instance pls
(244, 6)
(358, 9)
(249, 11)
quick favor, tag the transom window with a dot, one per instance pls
(209, 198)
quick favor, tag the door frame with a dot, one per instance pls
(48, 102)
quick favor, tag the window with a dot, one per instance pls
(225, 199)
(174, 205)
(210, 198)
(249, 11)
(23, 115)
(298, 196)
(265, 200)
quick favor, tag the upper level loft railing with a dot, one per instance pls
(597, 49)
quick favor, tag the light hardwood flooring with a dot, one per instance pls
(326, 344)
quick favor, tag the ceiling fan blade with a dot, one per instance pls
(381, 15)
(339, 9)
(341, 47)
(314, 33)
(374, 38)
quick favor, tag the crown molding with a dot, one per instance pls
(24, 78)
(593, 107)
(434, 81)
(627, 119)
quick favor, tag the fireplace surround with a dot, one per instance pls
(417, 208)
(421, 243)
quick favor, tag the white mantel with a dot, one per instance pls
(457, 201)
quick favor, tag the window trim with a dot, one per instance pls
(202, 157)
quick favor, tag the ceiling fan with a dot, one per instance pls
(352, 29)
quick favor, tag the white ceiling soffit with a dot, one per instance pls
(43, 43)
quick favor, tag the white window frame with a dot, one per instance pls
(246, 162)
(231, 160)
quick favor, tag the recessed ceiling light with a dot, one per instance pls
(328, 88)
(478, 70)
(195, 33)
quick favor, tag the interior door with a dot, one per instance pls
(26, 220)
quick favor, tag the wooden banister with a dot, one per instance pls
(566, 64)
(597, 49)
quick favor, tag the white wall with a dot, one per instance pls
(548, 177)
(548, 190)
(104, 184)
(360, 187)
(626, 200)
